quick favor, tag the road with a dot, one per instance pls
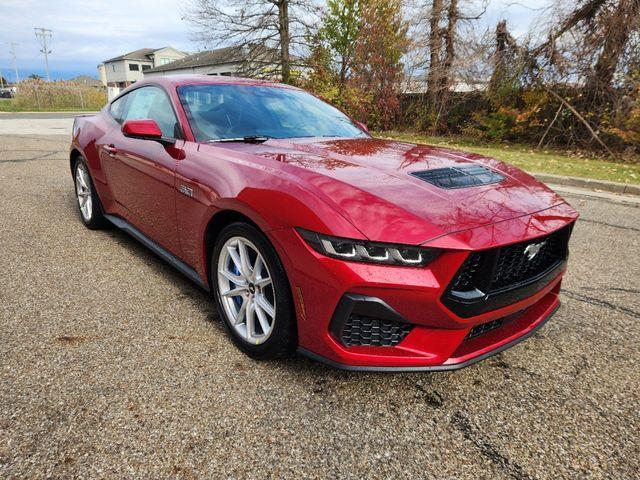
(115, 366)
(37, 123)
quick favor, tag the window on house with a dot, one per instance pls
(113, 67)
(134, 67)
(165, 60)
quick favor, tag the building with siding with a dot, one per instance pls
(120, 72)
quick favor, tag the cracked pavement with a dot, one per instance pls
(115, 366)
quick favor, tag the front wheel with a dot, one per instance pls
(252, 292)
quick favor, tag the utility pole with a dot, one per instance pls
(44, 34)
(15, 64)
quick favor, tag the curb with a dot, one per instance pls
(589, 184)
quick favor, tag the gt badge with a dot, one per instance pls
(186, 190)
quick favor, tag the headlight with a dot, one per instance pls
(369, 252)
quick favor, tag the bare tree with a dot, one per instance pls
(268, 31)
(444, 19)
(579, 65)
(435, 48)
(618, 25)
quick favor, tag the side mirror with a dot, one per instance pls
(143, 129)
(362, 126)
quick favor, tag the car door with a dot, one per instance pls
(141, 172)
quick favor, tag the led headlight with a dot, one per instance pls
(369, 252)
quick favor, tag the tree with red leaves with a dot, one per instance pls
(377, 63)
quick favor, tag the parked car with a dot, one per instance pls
(6, 93)
(310, 234)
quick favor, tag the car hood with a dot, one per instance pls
(369, 182)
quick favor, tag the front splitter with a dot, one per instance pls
(429, 368)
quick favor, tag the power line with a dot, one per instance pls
(15, 64)
(44, 34)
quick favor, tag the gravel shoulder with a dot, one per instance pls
(115, 366)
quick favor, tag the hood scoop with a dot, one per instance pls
(462, 176)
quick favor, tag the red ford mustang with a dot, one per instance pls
(363, 253)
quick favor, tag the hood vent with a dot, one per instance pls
(463, 176)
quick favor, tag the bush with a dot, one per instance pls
(494, 126)
(61, 95)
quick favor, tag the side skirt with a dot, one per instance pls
(167, 256)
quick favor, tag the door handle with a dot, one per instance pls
(110, 149)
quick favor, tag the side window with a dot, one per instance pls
(117, 108)
(152, 103)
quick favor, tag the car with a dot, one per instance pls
(312, 235)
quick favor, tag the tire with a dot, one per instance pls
(255, 305)
(89, 206)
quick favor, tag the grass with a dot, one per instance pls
(7, 105)
(531, 160)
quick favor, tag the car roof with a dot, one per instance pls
(192, 79)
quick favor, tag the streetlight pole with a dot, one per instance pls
(44, 34)
(15, 64)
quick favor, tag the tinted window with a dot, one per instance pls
(152, 103)
(234, 111)
(134, 67)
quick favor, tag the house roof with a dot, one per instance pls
(140, 54)
(219, 56)
(87, 80)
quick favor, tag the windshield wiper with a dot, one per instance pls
(245, 139)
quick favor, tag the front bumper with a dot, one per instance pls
(439, 339)
(453, 364)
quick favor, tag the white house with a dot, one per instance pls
(122, 71)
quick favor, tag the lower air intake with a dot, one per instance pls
(364, 331)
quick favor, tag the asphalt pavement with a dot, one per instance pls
(115, 366)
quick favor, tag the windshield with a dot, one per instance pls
(218, 112)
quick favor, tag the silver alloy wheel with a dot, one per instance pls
(83, 192)
(246, 290)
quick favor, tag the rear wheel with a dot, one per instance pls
(252, 292)
(89, 206)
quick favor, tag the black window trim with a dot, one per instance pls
(151, 84)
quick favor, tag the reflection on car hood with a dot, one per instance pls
(370, 182)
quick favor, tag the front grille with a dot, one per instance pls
(465, 280)
(490, 273)
(367, 331)
(514, 264)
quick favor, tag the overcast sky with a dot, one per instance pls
(88, 32)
